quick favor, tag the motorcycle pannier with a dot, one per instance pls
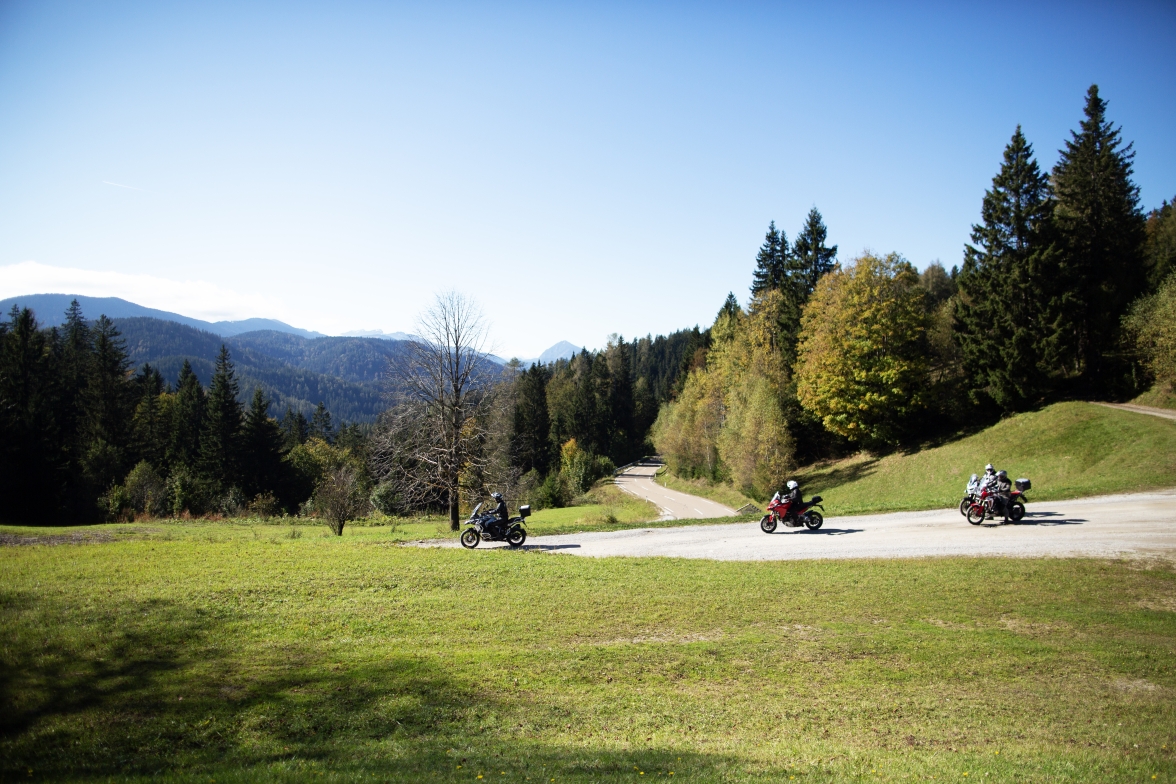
(1024, 484)
(525, 511)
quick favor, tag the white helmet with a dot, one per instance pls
(988, 469)
(792, 485)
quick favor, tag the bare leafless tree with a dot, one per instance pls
(339, 497)
(437, 428)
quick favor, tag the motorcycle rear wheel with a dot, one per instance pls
(516, 537)
(768, 524)
(813, 521)
(1016, 512)
(470, 538)
(976, 514)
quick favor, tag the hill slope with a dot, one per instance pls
(1069, 450)
(344, 376)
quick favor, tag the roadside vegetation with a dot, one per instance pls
(1068, 450)
(250, 659)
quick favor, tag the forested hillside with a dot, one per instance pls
(1066, 291)
(285, 366)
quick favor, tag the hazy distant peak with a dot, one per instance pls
(561, 350)
(377, 333)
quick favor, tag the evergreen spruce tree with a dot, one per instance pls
(109, 406)
(295, 428)
(1102, 233)
(623, 441)
(530, 447)
(220, 437)
(771, 262)
(261, 449)
(30, 456)
(150, 427)
(187, 420)
(320, 424)
(1003, 326)
(811, 258)
(730, 307)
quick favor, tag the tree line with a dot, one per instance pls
(83, 438)
(1066, 291)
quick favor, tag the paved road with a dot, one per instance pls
(639, 481)
(1142, 524)
(1165, 413)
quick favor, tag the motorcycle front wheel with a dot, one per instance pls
(976, 514)
(813, 521)
(768, 524)
(1016, 512)
(516, 537)
(964, 506)
(470, 538)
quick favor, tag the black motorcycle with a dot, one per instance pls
(490, 528)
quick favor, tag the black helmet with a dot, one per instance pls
(496, 496)
(1001, 475)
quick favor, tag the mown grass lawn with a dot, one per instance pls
(218, 655)
(1069, 450)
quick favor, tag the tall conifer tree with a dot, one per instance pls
(109, 406)
(529, 444)
(261, 449)
(1002, 317)
(771, 262)
(320, 424)
(187, 420)
(220, 437)
(1102, 230)
(811, 258)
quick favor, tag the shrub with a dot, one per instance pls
(339, 497)
(551, 494)
(263, 505)
(115, 504)
(146, 490)
(386, 499)
(232, 502)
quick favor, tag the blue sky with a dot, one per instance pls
(580, 168)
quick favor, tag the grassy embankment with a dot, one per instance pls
(1159, 396)
(328, 659)
(1069, 450)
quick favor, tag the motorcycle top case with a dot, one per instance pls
(1024, 484)
(525, 510)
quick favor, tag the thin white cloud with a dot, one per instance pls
(193, 298)
(128, 187)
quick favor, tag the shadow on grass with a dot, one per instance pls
(818, 481)
(160, 690)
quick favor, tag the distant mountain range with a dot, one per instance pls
(51, 307)
(296, 368)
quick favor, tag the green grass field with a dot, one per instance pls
(228, 658)
(1160, 396)
(1069, 450)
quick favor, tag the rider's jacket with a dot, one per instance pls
(501, 510)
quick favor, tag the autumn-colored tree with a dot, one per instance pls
(863, 356)
(729, 421)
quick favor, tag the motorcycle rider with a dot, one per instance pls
(500, 510)
(1003, 494)
(988, 481)
(791, 496)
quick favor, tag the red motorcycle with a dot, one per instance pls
(780, 511)
(984, 505)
